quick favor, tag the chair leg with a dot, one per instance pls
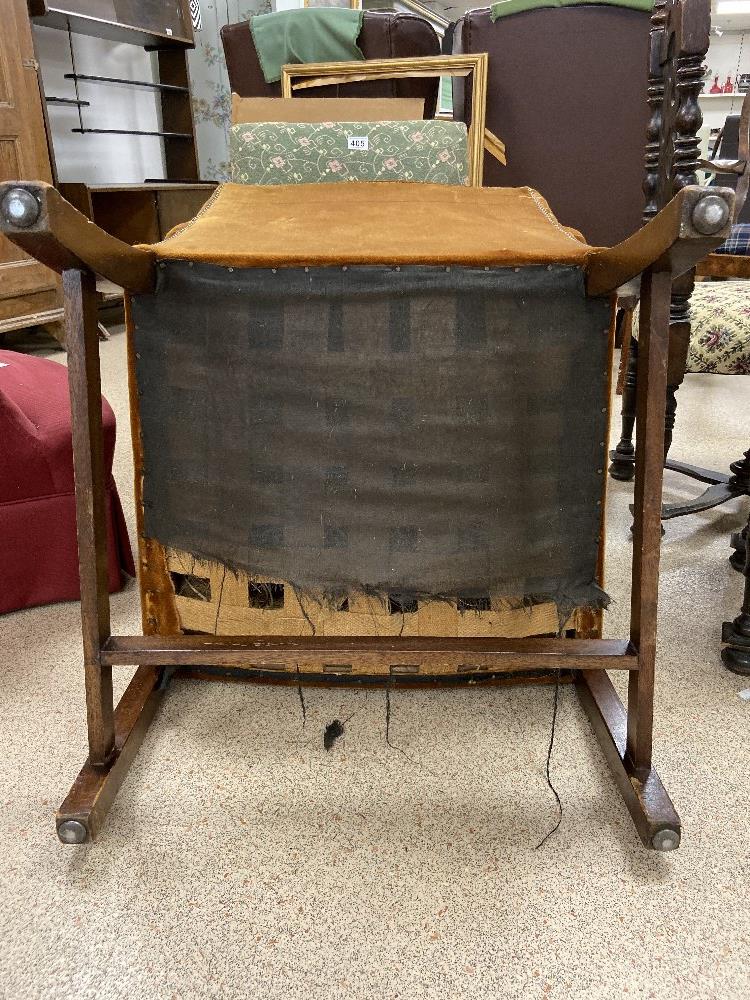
(80, 817)
(739, 543)
(655, 818)
(622, 465)
(654, 348)
(736, 654)
(625, 735)
(79, 291)
(670, 414)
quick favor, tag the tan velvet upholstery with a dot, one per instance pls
(364, 223)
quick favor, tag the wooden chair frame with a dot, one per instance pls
(37, 219)
(475, 66)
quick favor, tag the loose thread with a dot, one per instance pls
(305, 615)
(301, 698)
(388, 722)
(403, 622)
(357, 710)
(556, 827)
(218, 601)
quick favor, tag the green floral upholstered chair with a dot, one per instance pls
(434, 152)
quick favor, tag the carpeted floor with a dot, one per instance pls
(242, 860)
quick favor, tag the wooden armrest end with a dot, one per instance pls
(695, 222)
(36, 217)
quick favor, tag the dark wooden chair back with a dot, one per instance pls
(383, 36)
(567, 94)
(727, 147)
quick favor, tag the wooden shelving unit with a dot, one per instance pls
(161, 26)
(151, 23)
(138, 213)
(135, 213)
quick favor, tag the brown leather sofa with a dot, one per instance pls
(567, 94)
(383, 36)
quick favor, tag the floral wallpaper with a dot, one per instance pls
(210, 84)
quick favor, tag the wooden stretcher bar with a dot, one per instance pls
(252, 653)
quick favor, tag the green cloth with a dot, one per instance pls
(433, 152)
(313, 34)
(506, 7)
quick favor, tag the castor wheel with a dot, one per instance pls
(72, 831)
(666, 840)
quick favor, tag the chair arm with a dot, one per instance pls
(724, 265)
(740, 166)
(694, 222)
(36, 217)
(723, 166)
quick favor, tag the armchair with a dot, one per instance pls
(376, 349)
(383, 36)
(588, 105)
(572, 113)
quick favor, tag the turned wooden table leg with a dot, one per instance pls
(740, 479)
(739, 543)
(670, 415)
(679, 344)
(622, 458)
(736, 654)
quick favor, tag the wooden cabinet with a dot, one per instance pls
(138, 213)
(29, 293)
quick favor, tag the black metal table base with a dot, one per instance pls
(735, 635)
(721, 486)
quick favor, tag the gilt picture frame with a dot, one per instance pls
(302, 76)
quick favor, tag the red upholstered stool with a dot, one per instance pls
(38, 550)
